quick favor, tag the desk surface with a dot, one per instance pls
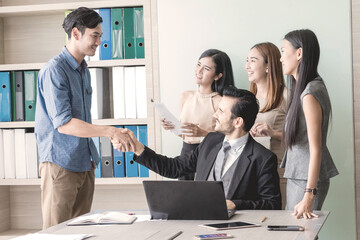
(157, 230)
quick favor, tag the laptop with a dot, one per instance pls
(186, 200)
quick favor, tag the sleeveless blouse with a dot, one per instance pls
(199, 109)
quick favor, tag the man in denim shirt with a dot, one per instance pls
(63, 126)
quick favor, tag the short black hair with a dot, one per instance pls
(246, 107)
(81, 18)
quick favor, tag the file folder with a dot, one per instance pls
(12, 95)
(5, 100)
(119, 162)
(2, 167)
(118, 92)
(105, 47)
(97, 82)
(129, 33)
(18, 97)
(132, 167)
(117, 39)
(30, 95)
(141, 108)
(31, 156)
(107, 166)
(139, 32)
(98, 167)
(9, 153)
(20, 154)
(142, 136)
(130, 92)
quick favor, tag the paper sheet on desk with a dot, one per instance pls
(44, 236)
(169, 117)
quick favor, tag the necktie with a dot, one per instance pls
(220, 160)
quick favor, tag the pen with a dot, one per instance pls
(286, 228)
(263, 219)
(175, 235)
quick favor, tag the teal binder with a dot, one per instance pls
(129, 33)
(5, 99)
(117, 33)
(30, 95)
(139, 32)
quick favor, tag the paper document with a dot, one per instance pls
(169, 117)
(110, 217)
(43, 236)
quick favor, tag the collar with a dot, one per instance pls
(237, 144)
(71, 60)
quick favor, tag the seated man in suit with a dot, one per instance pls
(247, 169)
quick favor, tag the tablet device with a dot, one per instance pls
(229, 225)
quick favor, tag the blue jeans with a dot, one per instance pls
(295, 193)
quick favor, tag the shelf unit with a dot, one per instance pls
(30, 35)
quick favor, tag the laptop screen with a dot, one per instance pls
(187, 200)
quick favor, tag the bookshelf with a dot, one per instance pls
(30, 35)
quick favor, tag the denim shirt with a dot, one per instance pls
(64, 92)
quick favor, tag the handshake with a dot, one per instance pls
(124, 140)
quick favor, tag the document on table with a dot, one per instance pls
(43, 236)
(169, 117)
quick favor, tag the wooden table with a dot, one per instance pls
(157, 230)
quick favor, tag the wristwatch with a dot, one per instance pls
(312, 190)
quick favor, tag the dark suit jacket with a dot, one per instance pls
(255, 184)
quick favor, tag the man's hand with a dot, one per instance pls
(121, 136)
(138, 147)
(230, 205)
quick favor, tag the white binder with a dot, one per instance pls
(118, 92)
(130, 92)
(97, 93)
(141, 106)
(9, 153)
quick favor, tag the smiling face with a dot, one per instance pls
(89, 41)
(205, 72)
(256, 66)
(224, 117)
(290, 58)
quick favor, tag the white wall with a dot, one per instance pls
(188, 27)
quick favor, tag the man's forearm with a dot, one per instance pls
(78, 128)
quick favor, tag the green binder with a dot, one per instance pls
(13, 89)
(30, 95)
(139, 32)
(117, 38)
(129, 33)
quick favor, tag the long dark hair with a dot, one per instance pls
(222, 65)
(274, 79)
(306, 72)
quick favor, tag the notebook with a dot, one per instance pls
(186, 200)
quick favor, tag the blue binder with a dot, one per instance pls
(98, 167)
(5, 99)
(119, 161)
(105, 47)
(142, 136)
(132, 167)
